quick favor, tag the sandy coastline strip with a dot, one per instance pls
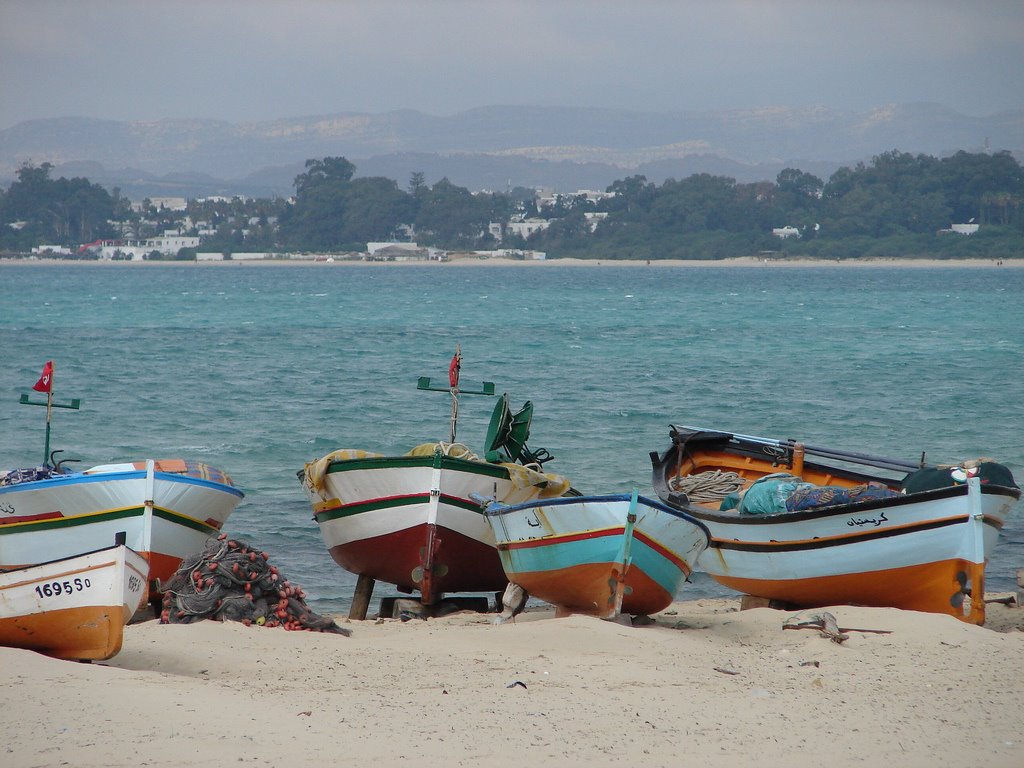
(705, 685)
(469, 261)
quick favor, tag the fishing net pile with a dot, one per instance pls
(30, 475)
(229, 581)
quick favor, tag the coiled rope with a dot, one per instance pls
(713, 485)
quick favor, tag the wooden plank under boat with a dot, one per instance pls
(599, 555)
(868, 542)
(167, 510)
(73, 608)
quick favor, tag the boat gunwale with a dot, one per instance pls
(112, 547)
(75, 478)
(841, 510)
(493, 509)
(407, 462)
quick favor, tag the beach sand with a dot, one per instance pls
(705, 685)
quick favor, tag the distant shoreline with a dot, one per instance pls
(741, 262)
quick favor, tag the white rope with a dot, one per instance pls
(713, 485)
(457, 451)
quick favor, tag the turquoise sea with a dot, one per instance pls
(257, 369)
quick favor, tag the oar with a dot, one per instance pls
(828, 453)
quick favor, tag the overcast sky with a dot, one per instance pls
(242, 60)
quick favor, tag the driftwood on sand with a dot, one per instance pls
(826, 623)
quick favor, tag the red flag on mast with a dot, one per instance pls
(453, 369)
(45, 383)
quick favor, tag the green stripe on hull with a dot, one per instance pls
(71, 522)
(102, 517)
(405, 462)
(358, 508)
(185, 522)
(355, 509)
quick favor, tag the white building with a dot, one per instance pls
(514, 253)
(372, 248)
(593, 219)
(137, 250)
(244, 256)
(526, 227)
(170, 203)
(963, 229)
(784, 232)
(57, 250)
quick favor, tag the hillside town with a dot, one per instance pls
(962, 206)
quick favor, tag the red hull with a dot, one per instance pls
(461, 564)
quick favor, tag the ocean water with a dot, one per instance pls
(258, 369)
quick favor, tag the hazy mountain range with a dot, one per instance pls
(493, 147)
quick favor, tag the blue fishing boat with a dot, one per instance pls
(600, 555)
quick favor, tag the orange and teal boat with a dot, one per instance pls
(808, 526)
(599, 555)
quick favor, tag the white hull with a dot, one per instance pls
(852, 529)
(410, 520)
(403, 500)
(961, 527)
(164, 516)
(75, 607)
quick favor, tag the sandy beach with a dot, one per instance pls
(705, 684)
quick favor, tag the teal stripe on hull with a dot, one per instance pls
(604, 549)
(659, 568)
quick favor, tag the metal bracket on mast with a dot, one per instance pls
(49, 404)
(75, 403)
(487, 387)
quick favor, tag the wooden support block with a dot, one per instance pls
(751, 601)
(387, 607)
(455, 604)
(361, 598)
(406, 608)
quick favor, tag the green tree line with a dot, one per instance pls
(894, 205)
(37, 210)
